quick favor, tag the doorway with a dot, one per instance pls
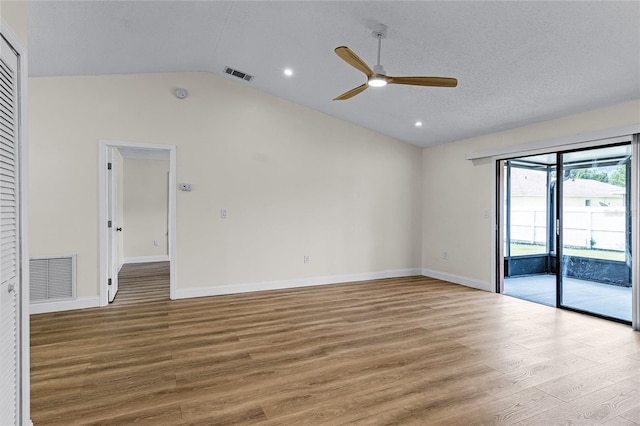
(111, 160)
(565, 230)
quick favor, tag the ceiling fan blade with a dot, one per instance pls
(354, 60)
(424, 81)
(351, 93)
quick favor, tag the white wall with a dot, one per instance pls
(14, 14)
(295, 181)
(456, 192)
(146, 198)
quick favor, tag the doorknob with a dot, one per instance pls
(118, 229)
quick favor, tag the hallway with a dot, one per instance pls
(142, 282)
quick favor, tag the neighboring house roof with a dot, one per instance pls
(528, 182)
(525, 182)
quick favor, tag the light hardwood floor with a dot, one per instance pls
(396, 351)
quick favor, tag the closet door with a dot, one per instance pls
(9, 239)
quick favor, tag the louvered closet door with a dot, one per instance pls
(9, 268)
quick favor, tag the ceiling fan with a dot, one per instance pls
(377, 77)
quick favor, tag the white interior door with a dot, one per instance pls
(110, 260)
(113, 227)
(9, 239)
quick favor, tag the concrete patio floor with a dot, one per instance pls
(604, 299)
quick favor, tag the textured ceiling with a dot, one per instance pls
(516, 62)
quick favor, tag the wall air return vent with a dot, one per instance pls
(236, 73)
(52, 278)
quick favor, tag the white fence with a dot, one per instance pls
(584, 227)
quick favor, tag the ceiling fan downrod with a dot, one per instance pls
(379, 33)
(377, 68)
(379, 78)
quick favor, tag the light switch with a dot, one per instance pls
(223, 213)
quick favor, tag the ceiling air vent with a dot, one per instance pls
(237, 73)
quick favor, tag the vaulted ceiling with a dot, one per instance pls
(516, 62)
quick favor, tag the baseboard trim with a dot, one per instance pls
(457, 279)
(284, 284)
(146, 259)
(64, 305)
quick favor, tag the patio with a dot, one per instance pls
(604, 299)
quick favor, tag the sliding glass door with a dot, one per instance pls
(595, 231)
(565, 230)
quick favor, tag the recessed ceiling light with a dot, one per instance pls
(418, 123)
(288, 72)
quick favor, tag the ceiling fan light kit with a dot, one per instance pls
(377, 77)
(377, 82)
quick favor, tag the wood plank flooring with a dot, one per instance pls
(396, 351)
(143, 283)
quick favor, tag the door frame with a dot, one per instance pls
(103, 148)
(573, 144)
(635, 232)
(113, 243)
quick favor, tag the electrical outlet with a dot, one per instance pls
(305, 259)
(445, 255)
(156, 243)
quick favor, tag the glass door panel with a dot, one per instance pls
(529, 229)
(595, 218)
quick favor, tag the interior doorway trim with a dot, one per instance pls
(103, 149)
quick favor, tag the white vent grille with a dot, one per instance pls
(52, 278)
(237, 73)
